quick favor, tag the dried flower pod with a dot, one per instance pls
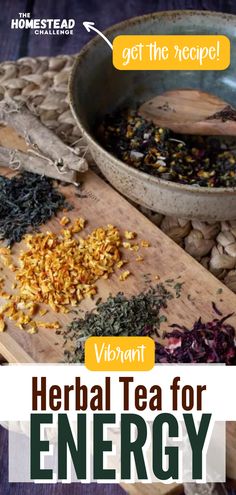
(221, 261)
(225, 238)
(178, 233)
(209, 231)
(168, 223)
(231, 250)
(196, 245)
(171, 227)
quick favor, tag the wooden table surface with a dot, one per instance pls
(101, 206)
(19, 43)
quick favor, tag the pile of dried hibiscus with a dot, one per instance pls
(211, 342)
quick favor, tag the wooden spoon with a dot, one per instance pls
(188, 111)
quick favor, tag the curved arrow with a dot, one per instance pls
(90, 26)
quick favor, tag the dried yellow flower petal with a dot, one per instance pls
(60, 270)
(145, 243)
(64, 221)
(121, 263)
(129, 235)
(126, 245)
(51, 325)
(134, 247)
(32, 330)
(20, 326)
(124, 275)
(78, 225)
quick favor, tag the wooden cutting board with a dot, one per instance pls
(165, 259)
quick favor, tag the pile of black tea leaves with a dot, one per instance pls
(206, 161)
(211, 342)
(117, 316)
(26, 201)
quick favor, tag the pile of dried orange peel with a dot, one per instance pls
(60, 270)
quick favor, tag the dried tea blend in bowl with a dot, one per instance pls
(194, 160)
(27, 201)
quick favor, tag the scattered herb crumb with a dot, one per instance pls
(178, 289)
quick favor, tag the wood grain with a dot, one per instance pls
(153, 489)
(186, 111)
(165, 259)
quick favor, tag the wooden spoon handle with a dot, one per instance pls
(188, 111)
(204, 127)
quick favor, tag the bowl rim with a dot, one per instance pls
(89, 137)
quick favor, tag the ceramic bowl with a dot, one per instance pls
(96, 88)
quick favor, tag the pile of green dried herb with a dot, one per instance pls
(27, 201)
(118, 315)
(194, 160)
